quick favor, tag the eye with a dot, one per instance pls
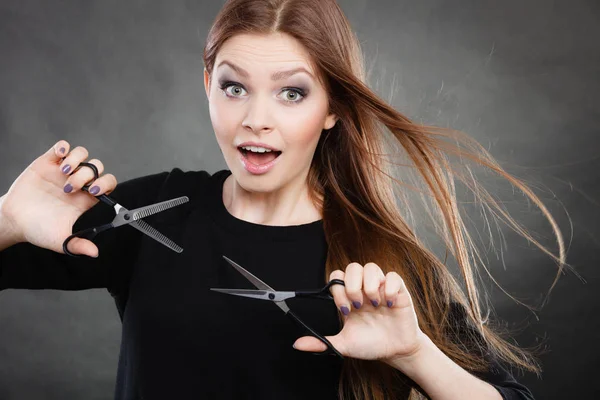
(294, 95)
(234, 89)
(237, 89)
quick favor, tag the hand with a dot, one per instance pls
(44, 202)
(380, 322)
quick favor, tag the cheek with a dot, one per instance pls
(304, 125)
(222, 117)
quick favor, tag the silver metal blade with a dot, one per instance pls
(257, 294)
(143, 226)
(146, 211)
(255, 281)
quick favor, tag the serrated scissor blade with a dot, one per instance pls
(144, 227)
(143, 212)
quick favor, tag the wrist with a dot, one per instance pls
(409, 363)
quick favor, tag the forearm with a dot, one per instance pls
(7, 235)
(441, 378)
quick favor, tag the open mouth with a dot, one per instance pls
(258, 155)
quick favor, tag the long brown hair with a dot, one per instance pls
(352, 180)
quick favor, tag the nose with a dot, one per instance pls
(259, 116)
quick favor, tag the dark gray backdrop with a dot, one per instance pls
(124, 79)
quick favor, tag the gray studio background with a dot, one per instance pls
(124, 79)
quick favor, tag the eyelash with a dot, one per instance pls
(225, 85)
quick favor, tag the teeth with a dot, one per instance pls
(256, 149)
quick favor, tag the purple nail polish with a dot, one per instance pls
(62, 150)
(68, 188)
(66, 169)
(389, 303)
(94, 190)
(345, 310)
(375, 303)
(356, 304)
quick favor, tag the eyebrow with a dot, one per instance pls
(276, 76)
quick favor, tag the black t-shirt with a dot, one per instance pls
(181, 340)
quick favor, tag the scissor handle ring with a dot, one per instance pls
(89, 234)
(93, 167)
(66, 242)
(104, 198)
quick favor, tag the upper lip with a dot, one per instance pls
(256, 144)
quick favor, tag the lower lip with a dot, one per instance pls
(257, 169)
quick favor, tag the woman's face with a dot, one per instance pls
(264, 95)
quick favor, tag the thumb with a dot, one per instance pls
(312, 344)
(83, 246)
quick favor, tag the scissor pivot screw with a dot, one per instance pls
(127, 217)
(271, 296)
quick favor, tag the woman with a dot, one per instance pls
(308, 197)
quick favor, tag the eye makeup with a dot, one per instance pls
(225, 83)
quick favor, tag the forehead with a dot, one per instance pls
(265, 53)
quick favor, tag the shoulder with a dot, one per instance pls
(199, 186)
(166, 185)
(177, 180)
(196, 185)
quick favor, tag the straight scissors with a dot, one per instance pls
(124, 216)
(266, 292)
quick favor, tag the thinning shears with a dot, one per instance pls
(266, 292)
(124, 216)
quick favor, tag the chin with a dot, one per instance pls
(257, 183)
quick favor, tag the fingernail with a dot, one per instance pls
(294, 346)
(356, 304)
(390, 303)
(345, 310)
(66, 169)
(375, 303)
(94, 190)
(62, 150)
(68, 188)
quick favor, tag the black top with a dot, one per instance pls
(179, 339)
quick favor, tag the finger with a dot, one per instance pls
(339, 293)
(354, 282)
(373, 279)
(83, 176)
(82, 246)
(73, 159)
(394, 285)
(58, 151)
(103, 185)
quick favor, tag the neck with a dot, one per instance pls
(289, 205)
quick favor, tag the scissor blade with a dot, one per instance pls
(143, 226)
(146, 211)
(257, 294)
(255, 281)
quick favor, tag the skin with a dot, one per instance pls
(259, 109)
